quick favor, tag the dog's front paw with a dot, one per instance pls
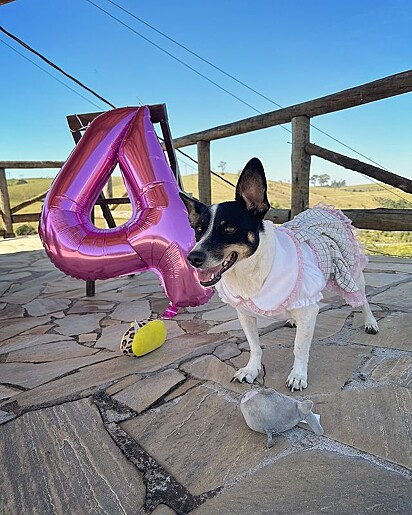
(372, 327)
(297, 380)
(247, 374)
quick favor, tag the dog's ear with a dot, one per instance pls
(251, 189)
(194, 208)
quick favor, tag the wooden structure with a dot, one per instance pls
(158, 114)
(302, 150)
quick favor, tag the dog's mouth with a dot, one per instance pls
(215, 274)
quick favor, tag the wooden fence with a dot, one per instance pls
(302, 149)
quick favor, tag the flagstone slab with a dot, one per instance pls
(45, 306)
(330, 322)
(142, 394)
(174, 351)
(56, 351)
(377, 280)
(375, 420)
(82, 383)
(149, 288)
(23, 296)
(194, 326)
(394, 332)
(182, 389)
(62, 460)
(227, 350)
(30, 375)
(78, 324)
(201, 439)
(210, 368)
(40, 329)
(314, 482)
(15, 326)
(396, 370)
(396, 265)
(7, 391)
(234, 325)
(11, 311)
(173, 329)
(6, 416)
(330, 366)
(88, 337)
(63, 284)
(4, 285)
(29, 340)
(40, 280)
(222, 314)
(399, 297)
(283, 335)
(16, 276)
(134, 310)
(112, 336)
(90, 305)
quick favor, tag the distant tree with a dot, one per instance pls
(314, 179)
(323, 179)
(222, 166)
(338, 184)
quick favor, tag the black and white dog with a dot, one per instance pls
(265, 271)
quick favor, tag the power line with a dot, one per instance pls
(50, 63)
(53, 65)
(50, 75)
(224, 72)
(171, 55)
(231, 77)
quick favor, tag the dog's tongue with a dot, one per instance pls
(212, 276)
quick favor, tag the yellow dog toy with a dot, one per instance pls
(143, 337)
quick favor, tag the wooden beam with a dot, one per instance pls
(370, 92)
(2, 2)
(204, 175)
(27, 165)
(379, 219)
(26, 203)
(379, 174)
(28, 217)
(300, 165)
(375, 219)
(5, 210)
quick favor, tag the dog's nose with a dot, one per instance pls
(196, 258)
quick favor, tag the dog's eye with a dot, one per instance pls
(229, 229)
(198, 229)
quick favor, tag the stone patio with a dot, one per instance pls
(88, 430)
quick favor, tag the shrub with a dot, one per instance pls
(25, 230)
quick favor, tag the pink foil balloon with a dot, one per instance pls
(157, 236)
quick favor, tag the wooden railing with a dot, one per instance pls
(302, 149)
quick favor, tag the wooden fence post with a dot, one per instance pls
(300, 165)
(5, 206)
(108, 189)
(204, 175)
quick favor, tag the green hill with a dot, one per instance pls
(364, 196)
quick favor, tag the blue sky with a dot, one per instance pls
(290, 51)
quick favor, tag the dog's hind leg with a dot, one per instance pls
(250, 372)
(305, 321)
(371, 325)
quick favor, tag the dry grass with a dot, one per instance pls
(365, 196)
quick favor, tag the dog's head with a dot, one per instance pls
(228, 232)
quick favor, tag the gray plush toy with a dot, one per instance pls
(270, 412)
